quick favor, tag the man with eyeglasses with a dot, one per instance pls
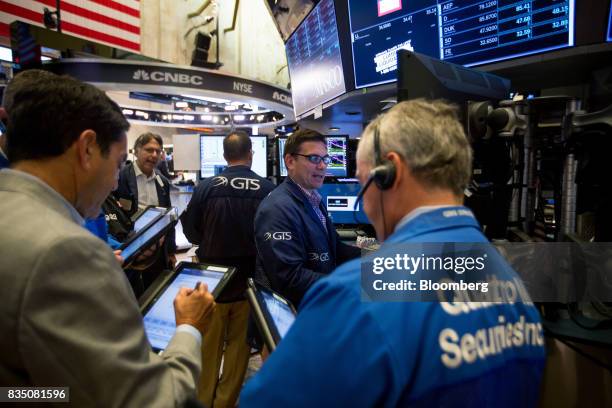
(142, 184)
(296, 241)
(343, 351)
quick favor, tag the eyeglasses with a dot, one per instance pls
(315, 158)
(151, 150)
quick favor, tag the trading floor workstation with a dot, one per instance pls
(306, 177)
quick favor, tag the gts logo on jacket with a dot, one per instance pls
(237, 183)
(323, 257)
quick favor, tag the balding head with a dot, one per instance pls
(237, 148)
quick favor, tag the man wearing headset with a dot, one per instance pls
(296, 241)
(413, 163)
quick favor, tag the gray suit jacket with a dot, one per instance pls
(68, 315)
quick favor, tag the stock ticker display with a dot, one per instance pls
(336, 148)
(313, 56)
(465, 32)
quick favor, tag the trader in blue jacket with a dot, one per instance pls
(344, 350)
(296, 241)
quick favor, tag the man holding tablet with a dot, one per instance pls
(69, 318)
(219, 219)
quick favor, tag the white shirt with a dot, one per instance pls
(147, 192)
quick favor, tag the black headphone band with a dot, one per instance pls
(377, 154)
(384, 170)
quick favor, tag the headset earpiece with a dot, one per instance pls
(384, 175)
(384, 172)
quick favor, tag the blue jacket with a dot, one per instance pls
(293, 248)
(220, 220)
(344, 352)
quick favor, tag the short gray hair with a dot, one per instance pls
(429, 137)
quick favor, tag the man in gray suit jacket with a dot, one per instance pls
(69, 318)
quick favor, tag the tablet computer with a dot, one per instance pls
(148, 217)
(147, 236)
(273, 314)
(158, 309)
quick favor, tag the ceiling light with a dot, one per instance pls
(260, 118)
(181, 104)
(208, 98)
(177, 117)
(189, 117)
(127, 112)
(238, 117)
(334, 129)
(230, 107)
(206, 117)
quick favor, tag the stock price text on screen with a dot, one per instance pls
(313, 56)
(465, 32)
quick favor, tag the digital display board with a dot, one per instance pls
(213, 163)
(336, 149)
(465, 32)
(313, 56)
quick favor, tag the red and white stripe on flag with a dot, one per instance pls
(111, 22)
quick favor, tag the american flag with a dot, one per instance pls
(111, 22)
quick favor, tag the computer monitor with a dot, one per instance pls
(422, 76)
(314, 59)
(463, 33)
(339, 199)
(211, 155)
(336, 148)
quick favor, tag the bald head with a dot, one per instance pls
(237, 148)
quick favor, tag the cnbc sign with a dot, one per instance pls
(167, 77)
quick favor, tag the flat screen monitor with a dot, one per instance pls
(211, 155)
(465, 33)
(336, 148)
(609, 32)
(313, 57)
(339, 199)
